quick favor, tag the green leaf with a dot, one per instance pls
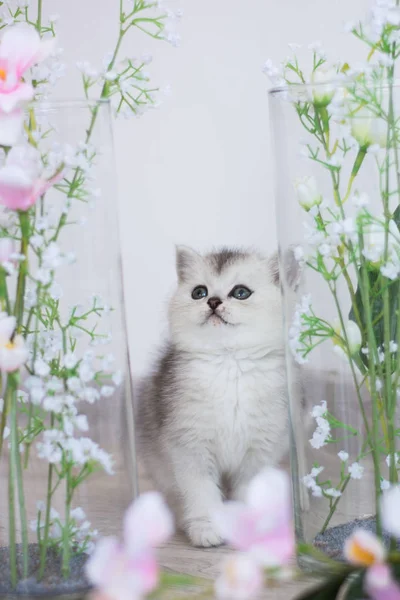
(355, 590)
(328, 590)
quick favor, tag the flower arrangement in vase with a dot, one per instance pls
(63, 359)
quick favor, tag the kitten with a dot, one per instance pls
(215, 411)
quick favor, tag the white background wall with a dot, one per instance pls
(198, 170)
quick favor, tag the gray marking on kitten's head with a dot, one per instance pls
(224, 258)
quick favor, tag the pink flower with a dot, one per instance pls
(263, 525)
(241, 578)
(364, 549)
(21, 183)
(120, 576)
(20, 48)
(380, 584)
(129, 571)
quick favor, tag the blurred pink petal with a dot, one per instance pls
(241, 578)
(363, 548)
(262, 526)
(20, 184)
(20, 48)
(118, 576)
(380, 584)
(148, 523)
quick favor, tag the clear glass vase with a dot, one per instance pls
(337, 198)
(67, 462)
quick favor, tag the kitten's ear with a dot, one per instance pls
(186, 259)
(290, 267)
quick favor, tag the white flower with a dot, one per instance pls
(319, 410)
(344, 456)
(352, 333)
(396, 459)
(390, 503)
(315, 471)
(117, 378)
(360, 200)
(30, 298)
(53, 404)
(74, 384)
(307, 192)
(393, 347)
(51, 256)
(6, 432)
(86, 373)
(108, 361)
(107, 391)
(50, 448)
(368, 129)
(319, 439)
(390, 270)
(309, 481)
(385, 484)
(78, 514)
(317, 491)
(43, 276)
(41, 368)
(89, 394)
(1, 405)
(37, 241)
(356, 470)
(13, 352)
(298, 253)
(70, 360)
(333, 493)
(324, 91)
(363, 548)
(81, 423)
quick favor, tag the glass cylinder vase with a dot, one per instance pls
(338, 214)
(67, 462)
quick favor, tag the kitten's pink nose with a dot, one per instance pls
(214, 302)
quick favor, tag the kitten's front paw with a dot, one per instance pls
(202, 533)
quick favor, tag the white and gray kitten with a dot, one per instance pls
(215, 411)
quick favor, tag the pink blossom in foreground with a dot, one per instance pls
(128, 570)
(13, 352)
(241, 578)
(363, 548)
(21, 181)
(380, 585)
(263, 525)
(20, 48)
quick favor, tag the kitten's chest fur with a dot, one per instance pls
(232, 402)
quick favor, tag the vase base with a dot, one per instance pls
(52, 584)
(332, 541)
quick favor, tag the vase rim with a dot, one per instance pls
(70, 103)
(337, 83)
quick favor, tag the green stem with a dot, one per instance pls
(23, 268)
(39, 17)
(66, 542)
(17, 469)
(11, 523)
(334, 505)
(365, 291)
(45, 542)
(4, 299)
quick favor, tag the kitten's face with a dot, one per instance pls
(225, 300)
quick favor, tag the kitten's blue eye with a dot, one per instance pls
(240, 292)
(199, 292)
